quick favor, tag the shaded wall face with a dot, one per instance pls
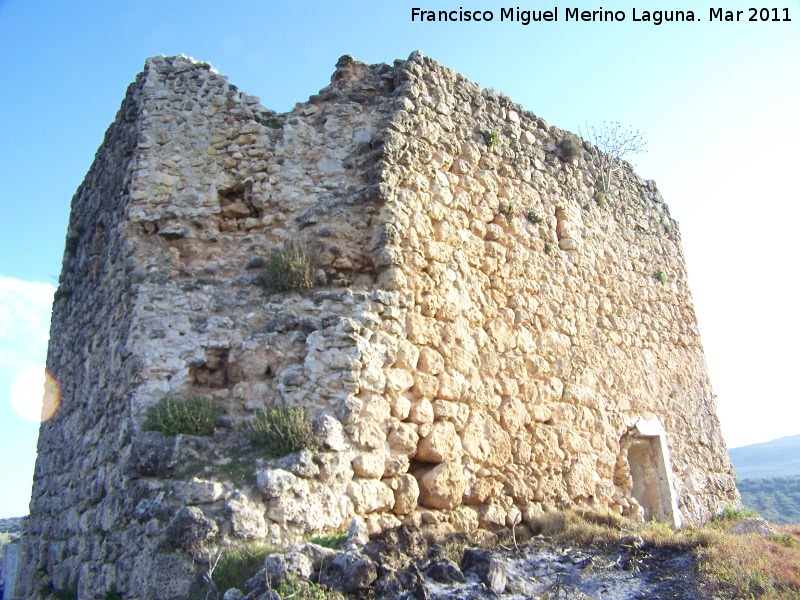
(78, 489)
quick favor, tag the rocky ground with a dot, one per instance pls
(402, 563)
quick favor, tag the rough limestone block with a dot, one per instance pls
(442, 444)
(369, 495)
(370, 465)
(442, 486)
(406, 494)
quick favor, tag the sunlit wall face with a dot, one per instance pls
(35, 395)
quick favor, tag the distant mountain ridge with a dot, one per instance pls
(777, 458)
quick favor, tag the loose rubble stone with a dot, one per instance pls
(357, 533)
(445, 571)
(189, 530)
(491, 571)
(349, 571)
(397, 547)
(280, 567)
(300, 463)
(757, 526)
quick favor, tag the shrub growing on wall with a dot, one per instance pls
(281, 430)
(569, 147)
(289, 268)
(193, 415)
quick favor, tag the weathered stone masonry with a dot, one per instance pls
(485, 340)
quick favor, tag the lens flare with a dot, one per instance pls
(35, 395)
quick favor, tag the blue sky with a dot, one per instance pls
(718, 103)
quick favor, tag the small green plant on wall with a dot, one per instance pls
(271, 122)
(492, 137)
(660, 277)
(289, 268)
(192, 415)
(533, 217)
(281, 430)
(600, 198)
(508, 211)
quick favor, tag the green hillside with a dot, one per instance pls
(776, 499)
(11, 526)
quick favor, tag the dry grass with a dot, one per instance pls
(452, 546)
(729, 565)
(578, 527)
(751, 566)
(585, 527)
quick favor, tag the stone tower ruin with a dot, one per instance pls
(483, 339)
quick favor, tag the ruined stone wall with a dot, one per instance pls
(484, 341)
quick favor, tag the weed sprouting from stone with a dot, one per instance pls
(508, 211)
(289, 268)
(491, 137)
(281, 430)
(569, 147)
(533, 217)
(193, 415)
(334, 541)
(271, 122)
(600, 198)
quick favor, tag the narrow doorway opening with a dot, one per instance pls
(644, 480)
(648, 478)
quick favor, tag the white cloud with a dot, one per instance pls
(25, 308)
